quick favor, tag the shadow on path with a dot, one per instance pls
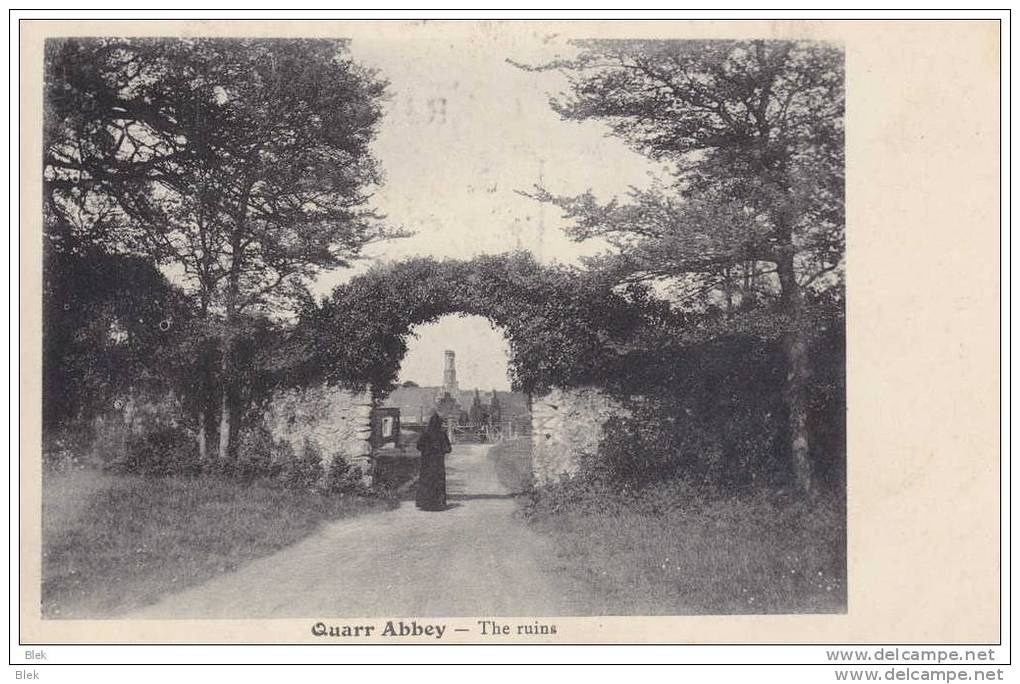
(481, 497)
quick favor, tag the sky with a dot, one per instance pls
(482, 353)
(463, 131)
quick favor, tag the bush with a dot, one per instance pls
(669, 437)
(304, 471)
(165, 451)
(256, 451)
(715, 413)
(344, 478)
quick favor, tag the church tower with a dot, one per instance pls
(449, 373)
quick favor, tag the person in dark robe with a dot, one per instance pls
(433, 445)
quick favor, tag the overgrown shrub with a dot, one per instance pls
(111, 324)
(304, 470)
(256, 455)
(344, 478)
(715, 413)
(666, 437)
(165, 451)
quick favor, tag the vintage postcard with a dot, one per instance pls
(510, 332)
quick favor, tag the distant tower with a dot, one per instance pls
(449, 372)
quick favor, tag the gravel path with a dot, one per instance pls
(474, 559)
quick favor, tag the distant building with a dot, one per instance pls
(478, 408)
(449, 372)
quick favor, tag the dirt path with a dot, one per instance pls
(476, 558)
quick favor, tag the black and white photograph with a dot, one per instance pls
(549, 328)
(458, 331)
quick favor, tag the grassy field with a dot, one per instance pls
(113, 543)
(677, 549)
(670, 551)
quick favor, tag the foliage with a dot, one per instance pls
(158, 453)
(257, 455)
(344, 478)
(257, 367)
(394, 472)
(245, 165)
(109, 322)
(115, 327)
(302, 470)
(754, 133)
(562, 325)
(243, 162)
(713, 412)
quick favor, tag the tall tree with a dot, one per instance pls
(754, 133)
(110, 322)
(243, 166)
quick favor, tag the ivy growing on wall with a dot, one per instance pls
(564, 326)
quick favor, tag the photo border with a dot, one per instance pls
(999, 643)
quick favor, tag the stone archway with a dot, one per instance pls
(563, 328)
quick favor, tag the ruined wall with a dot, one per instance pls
(567, 424)
(337, 421)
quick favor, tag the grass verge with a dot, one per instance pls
(112, 544)
(513, 464)
(671, 549)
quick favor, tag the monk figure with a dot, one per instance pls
(433, 445)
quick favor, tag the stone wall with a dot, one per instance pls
(566, 425)
(336, 421)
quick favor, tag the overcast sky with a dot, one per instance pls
(463, 130)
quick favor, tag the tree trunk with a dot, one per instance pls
(225, 407)
(796, 353)
(796, 401)
(203, 449)
(227, 344)
(224, 452)
(728, 277)
(205, 368)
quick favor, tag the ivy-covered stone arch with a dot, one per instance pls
(565, 327)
